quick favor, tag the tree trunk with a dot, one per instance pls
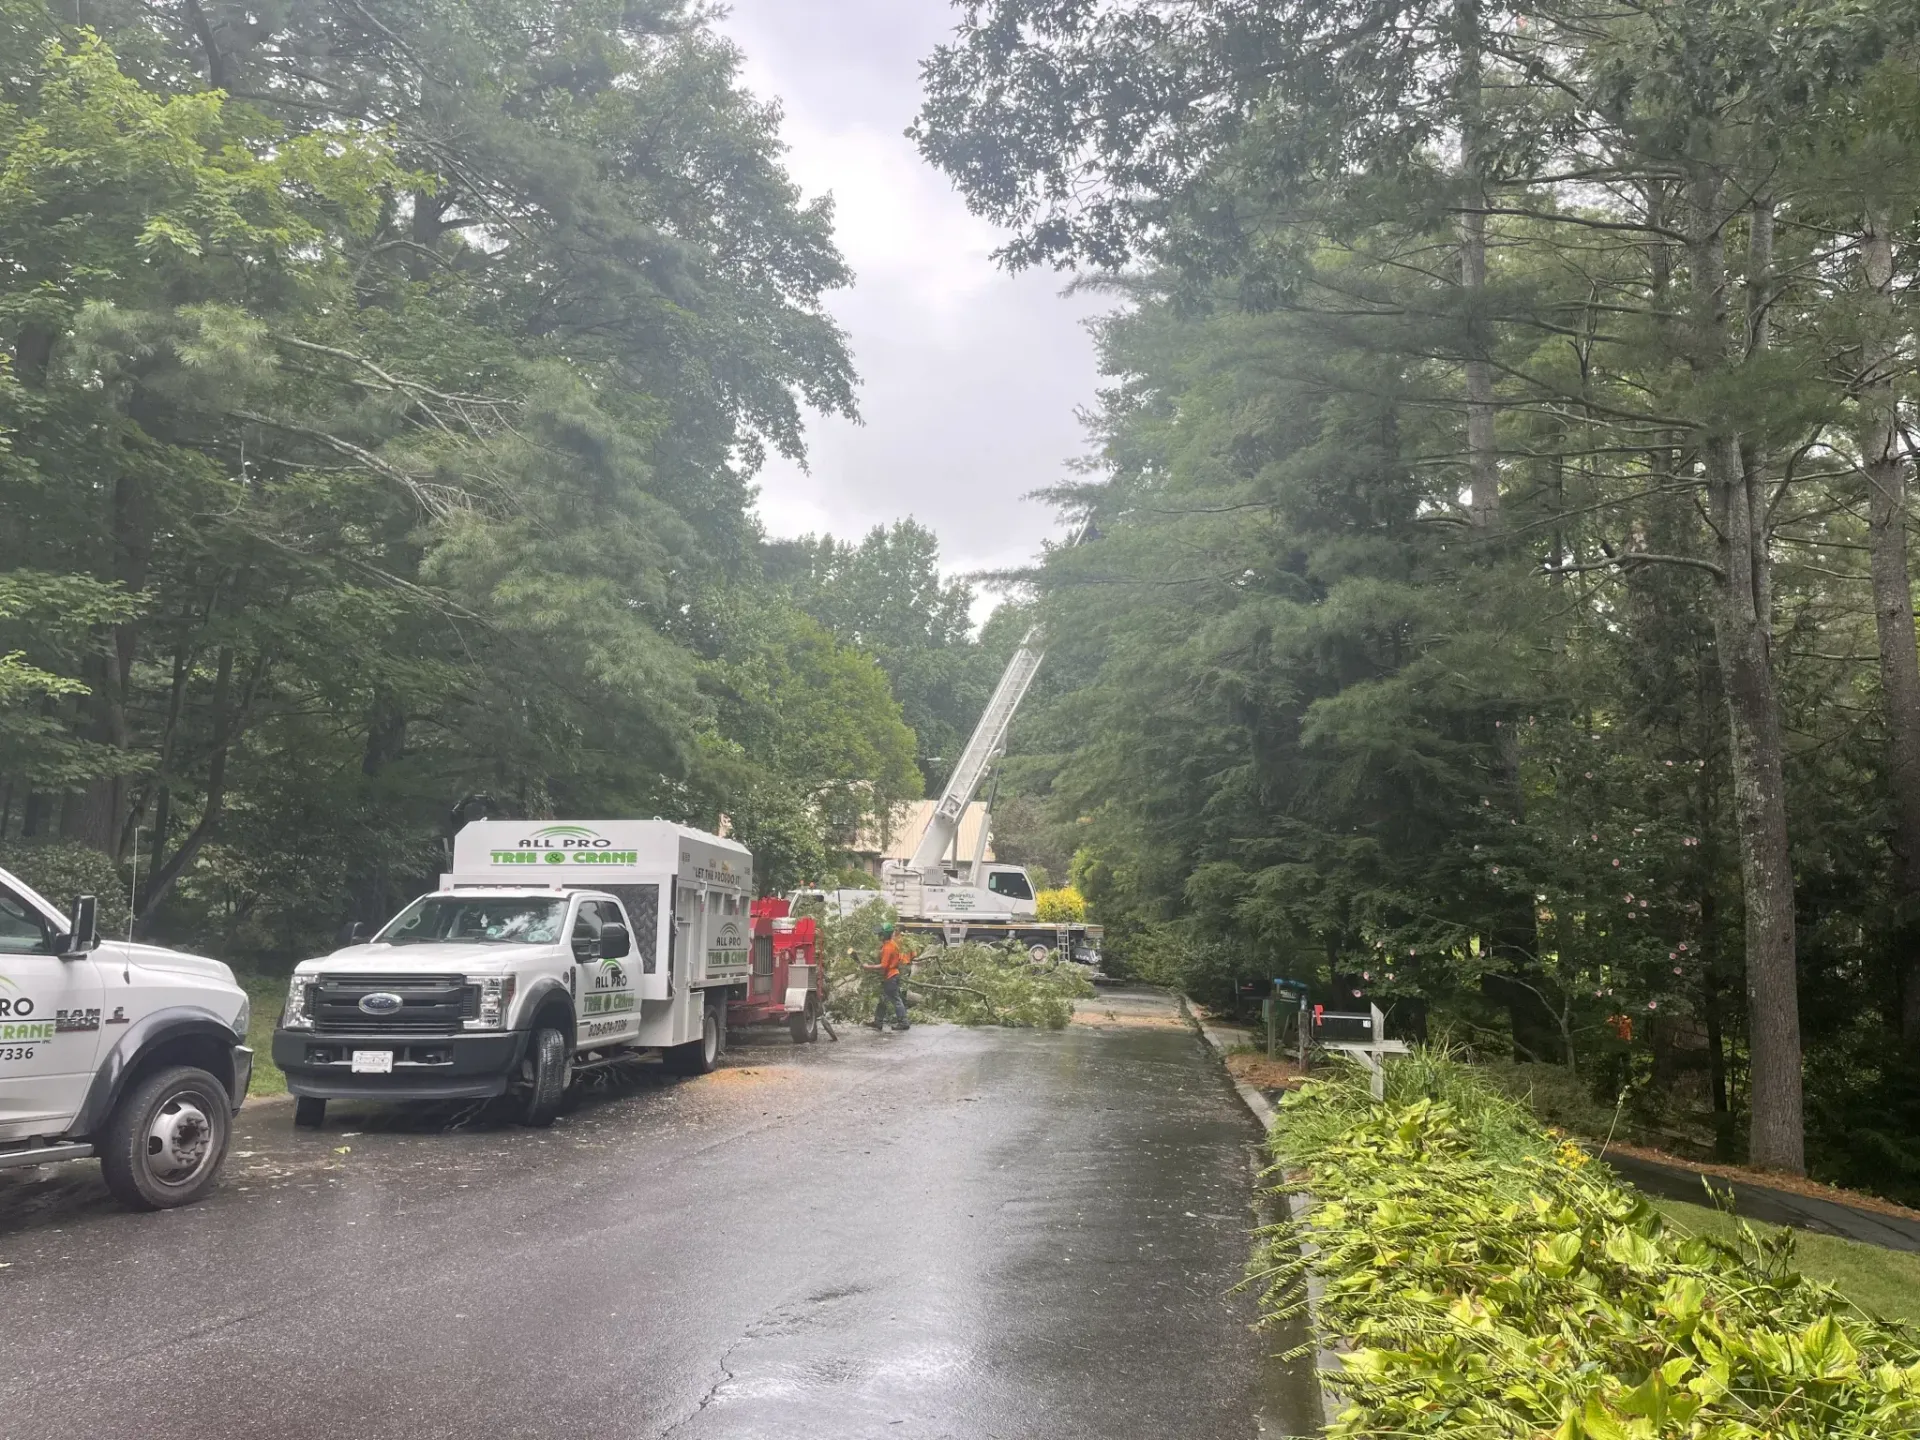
(218, 70)
(1757, 749)
(34, 818)
(1707, 944)
(1716, 1044)
(91, 816)
(1753, 457)
(1760, 818)
(1483, 464)
(230, 717)
(369, 885)
(95, 816)
(428, 225)
(1893, 606)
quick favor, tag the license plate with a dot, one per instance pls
(373, 1062)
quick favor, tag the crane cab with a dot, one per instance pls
(1002, 892)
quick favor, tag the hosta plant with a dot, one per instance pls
(1484, 1278)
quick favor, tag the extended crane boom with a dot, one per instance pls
(989, 739)
(921, 887)
(991, 902)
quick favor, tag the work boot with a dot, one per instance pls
(875, 1025)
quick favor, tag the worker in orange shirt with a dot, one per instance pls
(892, 961)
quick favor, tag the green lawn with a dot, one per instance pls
(269, 993)
(1886, 1282)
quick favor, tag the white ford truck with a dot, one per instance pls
(552, 948)
(129, 1052)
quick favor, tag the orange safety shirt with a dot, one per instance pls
(892, 957)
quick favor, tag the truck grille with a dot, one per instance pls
(429, 1004)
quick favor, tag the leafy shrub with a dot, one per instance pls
(1065, 906)
(1168, 952)
(61, 869)
(1488, 1279)
(1555, 1095)
(1863, 1115)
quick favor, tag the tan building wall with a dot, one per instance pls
(872, 850)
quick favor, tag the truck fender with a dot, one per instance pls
(141, 1039)
(540, 993)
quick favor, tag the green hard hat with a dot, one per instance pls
(886, 932)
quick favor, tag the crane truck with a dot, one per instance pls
(938, 892)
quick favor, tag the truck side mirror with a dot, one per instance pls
(83, 929)
(615, 942)
(353, 933)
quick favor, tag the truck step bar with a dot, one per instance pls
(628, 1056)
(43, 1155)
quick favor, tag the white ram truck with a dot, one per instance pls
(552, 948)
(129, 1052)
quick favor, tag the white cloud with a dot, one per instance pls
(899, 226)
(971, 378)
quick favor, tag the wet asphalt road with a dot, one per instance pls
(1771, 1206)
(949, 1232)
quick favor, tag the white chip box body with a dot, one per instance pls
(688, 893)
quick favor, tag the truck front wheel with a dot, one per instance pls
(552, 1065)
(166, 1138)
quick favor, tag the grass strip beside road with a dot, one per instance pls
(267, 993)
(1882, 1282)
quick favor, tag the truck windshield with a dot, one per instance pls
(475, 920)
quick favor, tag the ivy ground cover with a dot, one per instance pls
(1483, 1277)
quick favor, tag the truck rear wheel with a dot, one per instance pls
(699, 1057)
(805, 1027)
(166, 1138)
(552, 1066)
(309, 1111)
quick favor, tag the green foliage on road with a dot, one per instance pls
(966, 984)
(847, 944)
(996, 985)
(1485, 1277)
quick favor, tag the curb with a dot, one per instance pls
(1297, 1205)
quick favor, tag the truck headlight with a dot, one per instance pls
(496, 999)
(294, 1015)
(244, 1020)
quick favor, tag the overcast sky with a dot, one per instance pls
(970, 378)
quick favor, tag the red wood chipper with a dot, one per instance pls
(787, 985)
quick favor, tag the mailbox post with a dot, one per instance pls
(1370, 1052)
(1287, 994)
